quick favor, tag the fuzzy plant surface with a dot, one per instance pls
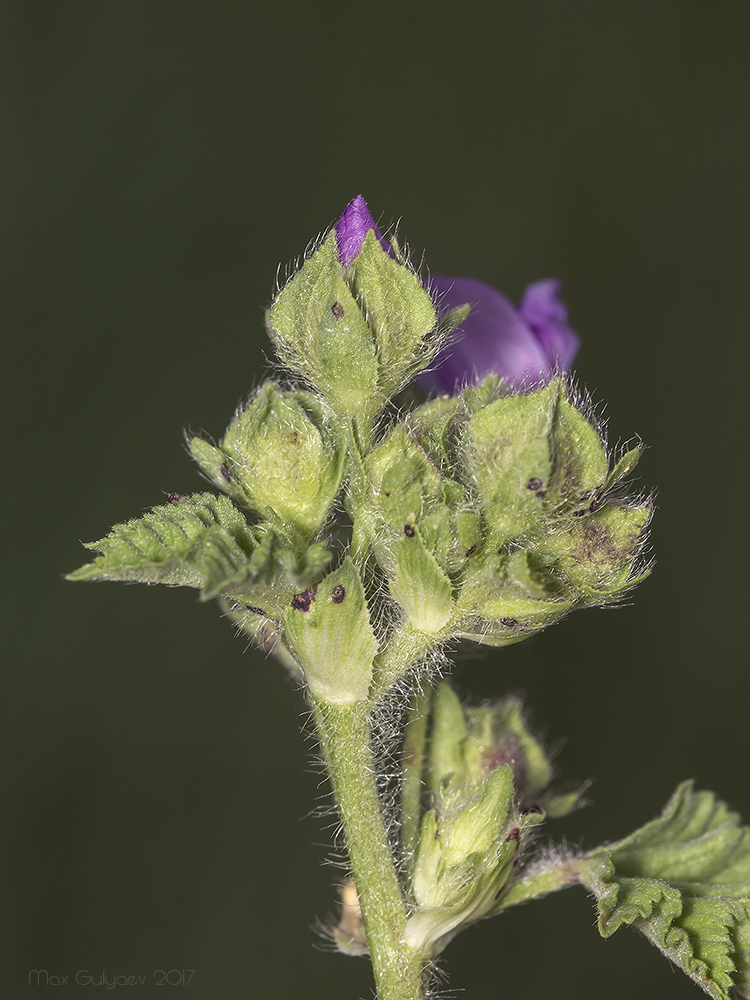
(358, 531)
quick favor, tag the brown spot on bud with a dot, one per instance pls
(409, 530)
(337, 309)
(471, 551)
(535, 484)
(256, 611)
(540, 495)
(515, 834)
(509, 622)
(303, 601)
(173, 497)
(225, 473)
(338, 594)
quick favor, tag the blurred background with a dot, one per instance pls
(160, 160)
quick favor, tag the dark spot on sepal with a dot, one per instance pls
(471, 551)
(256, 611)
(515, 834)
(173, 497)
(338, 594)
(338, 310)
(225, 473)
(303, 601)
(509, 622)
(535, 484)
(409, 530)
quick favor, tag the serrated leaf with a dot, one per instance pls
(684, 881)
(198, 541)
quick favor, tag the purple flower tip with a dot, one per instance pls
(352, 228)
(528, 343)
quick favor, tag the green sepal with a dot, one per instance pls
(506, 598)
(579, 456)
(420, 586)
(508, 458)
(433, 425)
(329, 632)
(464, 860)
(447, 739)
(399, 311)
(624, 466)
(197, 541)
(683, 880)
(400, 484)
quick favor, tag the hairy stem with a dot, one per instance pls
(345, 736)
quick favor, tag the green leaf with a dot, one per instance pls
(684, 881)
(197, 541)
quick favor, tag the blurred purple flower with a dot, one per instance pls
(530, 342)
(352, 228)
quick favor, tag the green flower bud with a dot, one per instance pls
(488, 778)
(357, 328)
(321, 334)
(328, 630)
(282, 453)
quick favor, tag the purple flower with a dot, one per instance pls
(528, 343)
(352, 228)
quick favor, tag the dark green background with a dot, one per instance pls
(160, 159)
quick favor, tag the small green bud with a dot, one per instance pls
(488, 778)
(329, 632)
(284, 453)
(356, 330)
(508, 458)
(321, 334)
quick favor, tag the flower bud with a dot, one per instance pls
(355, 321)
(282, 453)
(488, 777)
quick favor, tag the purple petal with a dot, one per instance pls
(547, 316)
(496, 338)
(352, 228)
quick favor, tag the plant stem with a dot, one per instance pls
(345, 736)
